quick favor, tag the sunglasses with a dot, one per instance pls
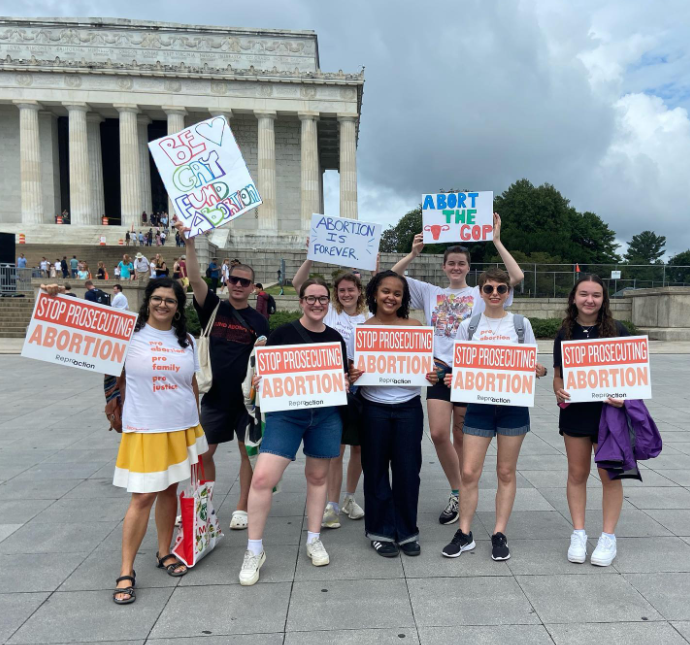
(243, 282)
(502, 289)
(311, 300)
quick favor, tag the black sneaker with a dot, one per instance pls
(386, 549)
(411, 548)
(499, 547)
(451, 513)
(460, 542)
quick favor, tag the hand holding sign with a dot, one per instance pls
(343, 241)
(458, 217)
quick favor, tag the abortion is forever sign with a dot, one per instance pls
(205, 175)
(458, 217)
(595, 370)
(343, 241)
(494, 374)
(300, 377)
(394, 355)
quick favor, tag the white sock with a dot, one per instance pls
(336, 507)
(312, 536)
(580, 532)
(610, 535)
(349, 496)
(255, 546)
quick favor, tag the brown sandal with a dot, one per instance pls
(172, 566)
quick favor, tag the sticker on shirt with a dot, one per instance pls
(451, 309)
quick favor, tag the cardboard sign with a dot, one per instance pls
(300, 377)
(394, 355)
(205, 175)
(594, 370)
(458, 217)
(79, 333)
(343, 241)
(494, 373)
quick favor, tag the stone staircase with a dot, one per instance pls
(15, 314)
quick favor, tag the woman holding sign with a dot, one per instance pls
(319, 428)
(393, 426)
(588, 316)
(161, 435)
(444, 309)
(346, 310)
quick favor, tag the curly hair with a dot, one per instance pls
(179, 325)
(373, 286)
(605, 320)
(349, 277)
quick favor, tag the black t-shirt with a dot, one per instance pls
(288, 335)
(231, 345)
(581, 419)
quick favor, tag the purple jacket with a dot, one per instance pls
(626, 435)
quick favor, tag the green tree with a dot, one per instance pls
(678, 269)
(596, 241)
(645, 248)
(398, 238)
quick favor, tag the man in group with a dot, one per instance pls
(68, 290)
(141, 239)
(141, 267)
(236, 328)
(119, 300)
(74, 267)
(214, 274)
(95, 295)
(262, 301)
(45, 267)
(64, 268)
(21, 261)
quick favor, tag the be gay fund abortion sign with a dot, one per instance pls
(494, 374)
(458, 217)
(602, 368)
(300, 377)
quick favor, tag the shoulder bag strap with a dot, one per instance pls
(241, 320)
(206, 332)
(519, 324)
(474, 323)
(301, 331)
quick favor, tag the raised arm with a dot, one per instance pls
(199, 285)
(302, 273)
(514, 270)
(417, 245)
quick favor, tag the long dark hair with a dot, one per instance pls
(179, 323)
(372, 288)
(606, 322)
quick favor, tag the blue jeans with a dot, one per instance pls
(319, 428)
(392, 451)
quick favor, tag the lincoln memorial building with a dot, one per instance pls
(81, 97)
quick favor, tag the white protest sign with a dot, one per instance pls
(301, 377)
(343, 241)
(394, 355)
(594, 370)
(205, 175)
(79, 333)
(458, 217)
(494, 373)
(615, 275)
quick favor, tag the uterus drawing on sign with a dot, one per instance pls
(436, 229)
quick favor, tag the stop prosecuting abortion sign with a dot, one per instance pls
(298, 377)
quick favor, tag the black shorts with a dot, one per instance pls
(441, 393)
(222, 422)
(592, 436)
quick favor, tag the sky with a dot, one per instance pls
(591, 96)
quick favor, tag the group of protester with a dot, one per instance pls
(166, 432)
(140, 268)
(154, 236)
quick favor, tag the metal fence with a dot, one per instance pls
(14, 280)
(556, 280)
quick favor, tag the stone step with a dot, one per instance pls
(666, 333)
(11, 334)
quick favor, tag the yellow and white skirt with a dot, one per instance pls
(149, 462)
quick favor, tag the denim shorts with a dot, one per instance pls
(320, 429)
(490, 420)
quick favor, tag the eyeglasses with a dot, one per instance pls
(501, 289)
(311, 300)
(157, 300)
(243, 282)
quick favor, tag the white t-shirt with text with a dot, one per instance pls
(498, 330)
(159, 396)
(343, 322)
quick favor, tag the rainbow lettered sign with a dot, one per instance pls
(205, 175)
(458, 217)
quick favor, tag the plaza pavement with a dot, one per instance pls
(60, 523)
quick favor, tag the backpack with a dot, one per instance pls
(102, 298)
(518, 323)
(271, 304)
(209, 273)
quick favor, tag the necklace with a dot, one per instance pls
(494, 332)
(586, 330)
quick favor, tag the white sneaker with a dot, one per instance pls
(249, 574)
(352, 509)
(605, 552)
(331, 519)
(578, 547)
(317, 552)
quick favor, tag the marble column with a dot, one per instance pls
(50, 165)
(30, 162)
(144, 163)
(268, 214)
(226, 113)
(176, 117)
(130, 179)
(80, 206)
(93, 127)
(348, 165)
(309, 168)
